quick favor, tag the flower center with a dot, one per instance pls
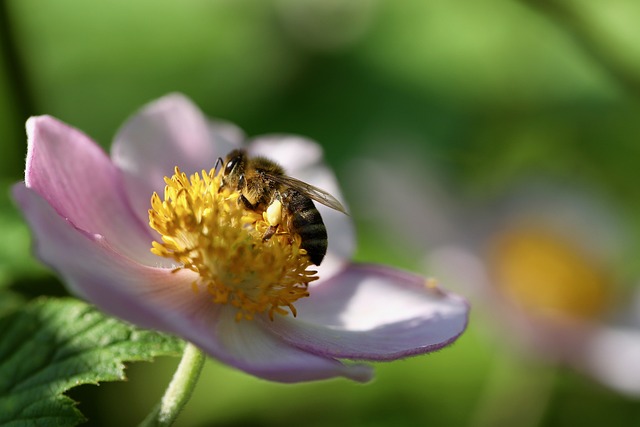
(206, 230)
(549, 275)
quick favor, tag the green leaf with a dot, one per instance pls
(9, 301)
(52, 345)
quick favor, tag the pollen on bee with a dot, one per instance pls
(273, 214)
(206, 230)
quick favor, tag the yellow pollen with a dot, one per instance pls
(549, 275)
(206, 230)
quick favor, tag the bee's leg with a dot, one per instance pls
(247, 204)
(269, 233)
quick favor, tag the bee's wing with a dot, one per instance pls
(310, 191)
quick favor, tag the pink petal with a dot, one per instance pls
(159, 299)
(303, 159)
(374, 313)
(253, 349)
(167, 133)
(77, 179)
(90, 267)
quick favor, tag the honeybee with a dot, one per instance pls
(265, 187)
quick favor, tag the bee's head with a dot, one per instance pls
(233, 172)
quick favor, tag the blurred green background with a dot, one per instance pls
(486, 93)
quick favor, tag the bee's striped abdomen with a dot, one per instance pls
(307, 222)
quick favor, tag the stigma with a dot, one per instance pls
(205, 229)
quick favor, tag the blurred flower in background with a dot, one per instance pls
(549, 267)
(546, 261)
(553, 284)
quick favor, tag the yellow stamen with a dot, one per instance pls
(547, 274)
(206, 230)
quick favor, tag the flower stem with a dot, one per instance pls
(179, 390)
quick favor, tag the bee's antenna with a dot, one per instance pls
(218, 163)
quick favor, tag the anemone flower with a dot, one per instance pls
(544, 262)
(148, 235)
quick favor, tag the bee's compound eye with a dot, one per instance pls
(231, 164)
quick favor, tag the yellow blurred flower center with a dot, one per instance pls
(546, 274)
(206, 230)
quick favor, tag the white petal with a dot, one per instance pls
(169, 132)
(612, 357)
(248, 346)
(374, 313)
